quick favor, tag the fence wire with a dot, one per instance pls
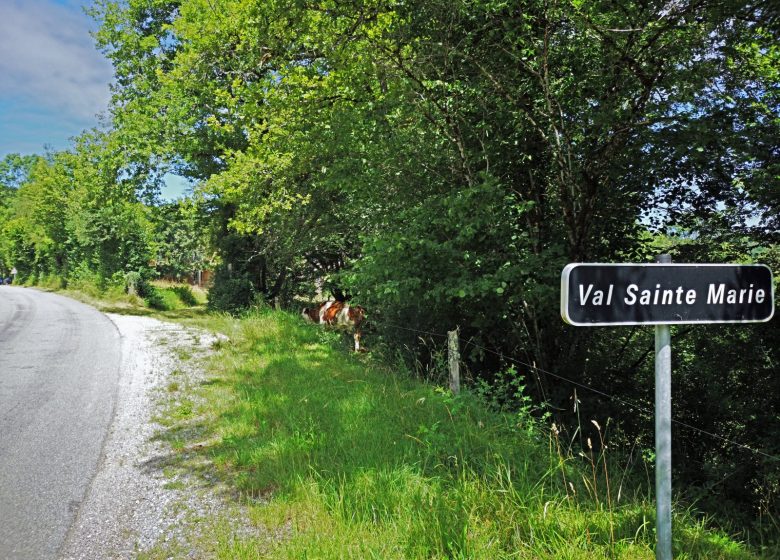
(587, 387)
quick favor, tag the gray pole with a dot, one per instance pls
(663, 436)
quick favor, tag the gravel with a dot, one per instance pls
(139, 501)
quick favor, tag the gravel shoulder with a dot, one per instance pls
(137, 502)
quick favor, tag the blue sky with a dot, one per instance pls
(54, 83)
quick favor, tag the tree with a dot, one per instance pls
(441, 161)
(14, 170)
(76, 214)
(181, 238)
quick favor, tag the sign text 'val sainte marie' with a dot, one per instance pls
(633, 294)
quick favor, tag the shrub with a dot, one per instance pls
(155, 299)
(185, 295)
(136, 284)
(231, 292)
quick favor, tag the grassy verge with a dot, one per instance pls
(334, 456)
(167, 300)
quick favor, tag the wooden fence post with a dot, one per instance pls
(453, 355)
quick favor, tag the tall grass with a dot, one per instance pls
(335, 456)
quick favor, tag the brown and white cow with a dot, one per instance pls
(337, 314)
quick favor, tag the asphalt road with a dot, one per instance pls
(59, 373)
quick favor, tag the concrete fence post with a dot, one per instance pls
(453, 357)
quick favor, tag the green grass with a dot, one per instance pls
(333, 455)
(174, 296)
(169, 301)
(336, 456)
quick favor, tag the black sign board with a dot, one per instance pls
(662, 294)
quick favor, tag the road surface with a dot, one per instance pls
(59, 373)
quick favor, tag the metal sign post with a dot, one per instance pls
(663, 437)
(664, 294)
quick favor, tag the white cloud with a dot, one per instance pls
(48, 57)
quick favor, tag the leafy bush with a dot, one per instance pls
(52, 282)
(155, 299)
(133, 281)
(168, 298)
(84, 280)
(136, 283)
(185, 295)
(231, 292)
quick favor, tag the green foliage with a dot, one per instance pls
(342, 458)
(169, 297)
(231, 292)
(181, 238)
(439, 162)
(14, 171)
(435, 272)
(135, 283)
(74, 213)
(185, 295)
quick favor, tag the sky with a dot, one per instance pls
(54, 83)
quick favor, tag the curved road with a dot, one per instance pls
(59, 372)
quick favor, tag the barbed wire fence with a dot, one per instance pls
(613, 398)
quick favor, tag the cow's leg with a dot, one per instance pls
(357, 341)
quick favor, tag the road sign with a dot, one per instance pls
(663, 294)
(596, 294)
